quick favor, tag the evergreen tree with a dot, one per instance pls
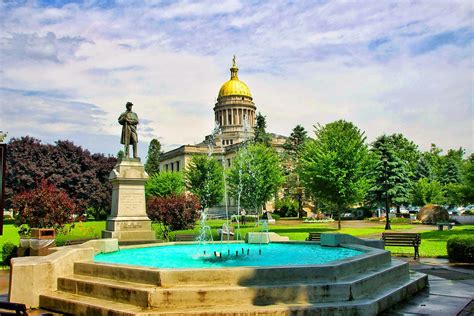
(334, 167)
(423, 169)
(152, 164)
(293, 147)
(261, 135)
(392, 177)
(120, 154)
(204, 178)
(295, 143)
(467, 183)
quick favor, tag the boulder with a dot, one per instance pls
(432, 214)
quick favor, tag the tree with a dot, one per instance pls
(164, 184)
(83, 176)
(334, 167)
(450, 169)
(255, 176)
(152, 164)
(295, 143)
(174, 212)
(120, 154)
(427, 192)
(392, 177)
(406, 150)
(423, 169)
(467, 187)
(261, 136)
(204, 178)
(293, 147)
(45, 206)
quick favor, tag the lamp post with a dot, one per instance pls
(387, 207)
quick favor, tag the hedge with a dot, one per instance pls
(461, 248)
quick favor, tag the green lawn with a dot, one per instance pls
(433, 243)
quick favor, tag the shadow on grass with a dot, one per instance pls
(443, 235)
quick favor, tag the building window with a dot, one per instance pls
(231, 141)
(166, 167)
(177, 165)
(172, 167)
(228, 162)
(223, 142)
(230, 119)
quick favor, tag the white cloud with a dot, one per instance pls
(304, 63)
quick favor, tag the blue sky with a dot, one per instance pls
(68, 67)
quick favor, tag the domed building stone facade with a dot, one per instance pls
(234, 111)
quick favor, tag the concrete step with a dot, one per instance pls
(118, 291)
(371, 305)
(146, 295)
(229, 276)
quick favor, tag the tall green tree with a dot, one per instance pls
(293, 147)
(406, 150)
(204, 178)
(165, 183)
(261, 135)
(427, 191)
(467, 183)
(255, 175)
(120, 154)
(450, 169)
(334, 167)
(392, 175)
(152, 164)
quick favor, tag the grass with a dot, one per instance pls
(433, 242)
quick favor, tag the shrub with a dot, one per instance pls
(286, 208)
(399, 220)
(174, 212)
(164, 184)
(8, 252)
(275, 216)
(44, 207)
(461, 248)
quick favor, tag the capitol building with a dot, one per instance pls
(235, 113)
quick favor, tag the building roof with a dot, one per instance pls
(234, 86)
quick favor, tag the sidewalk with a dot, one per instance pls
(450, 292)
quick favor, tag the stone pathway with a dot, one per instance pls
(450, 292)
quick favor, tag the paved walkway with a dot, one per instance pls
(450, 292)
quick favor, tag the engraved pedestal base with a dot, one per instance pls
(128, 220)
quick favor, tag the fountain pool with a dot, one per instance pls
(183, 256)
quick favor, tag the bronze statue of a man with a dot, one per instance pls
(129, 120)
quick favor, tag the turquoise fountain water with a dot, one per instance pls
(237, 255)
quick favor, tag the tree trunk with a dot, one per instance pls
(338, 219)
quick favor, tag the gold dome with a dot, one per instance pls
(234, 86)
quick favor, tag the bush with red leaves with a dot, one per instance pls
(174, 212)
(45, 206)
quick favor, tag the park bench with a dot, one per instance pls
(185, 237)
(312, 236)
(442, 224)
(16, 308)
(403, 240)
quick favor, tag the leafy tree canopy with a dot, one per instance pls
(427, 191)
(392, 176)
(255, 175)
(165, 183)
(335, 165)
(204, 178)
(261, 135)
(152, 164)
(82, 175)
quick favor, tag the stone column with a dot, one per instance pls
(128, 219)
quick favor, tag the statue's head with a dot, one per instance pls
(129, 106)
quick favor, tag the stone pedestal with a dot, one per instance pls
(128, 219)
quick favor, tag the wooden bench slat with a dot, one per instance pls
(403, 240)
